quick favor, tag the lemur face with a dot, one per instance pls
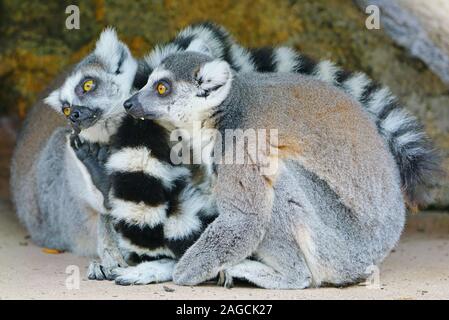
(186, 87)
(98, 85)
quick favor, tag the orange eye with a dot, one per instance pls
(66, 111)
(161, 89)
(88, 85)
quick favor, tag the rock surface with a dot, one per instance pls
(36, 46)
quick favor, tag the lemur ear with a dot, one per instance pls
(198, 45)
(111, 51)
(53, 100)
(213, 78)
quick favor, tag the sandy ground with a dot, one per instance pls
(417, 269)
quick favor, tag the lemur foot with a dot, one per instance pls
(145, 273)
(86, 150)
(103, 270)
(96, 271)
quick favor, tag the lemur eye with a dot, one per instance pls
(88, 85)
(66, 111)
(162, 88)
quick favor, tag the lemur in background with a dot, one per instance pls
(156, 209)
(100, 114)
(332, 209)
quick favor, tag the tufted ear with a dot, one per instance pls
(199, 46)
(112, 53)
(214, 80)
(53, 100)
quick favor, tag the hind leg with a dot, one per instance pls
(264, 276)
(280, 263)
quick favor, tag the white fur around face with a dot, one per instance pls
(157, 74)
(65, 93)
(159, 53)
(116, 74)
(190, 101)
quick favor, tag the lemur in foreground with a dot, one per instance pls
(101, 113)
(332, 209)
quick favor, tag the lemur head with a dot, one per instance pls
(98, 85)
(185, 87)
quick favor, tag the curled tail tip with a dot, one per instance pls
(420, 176)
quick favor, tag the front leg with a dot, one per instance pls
(93, 156)
(108, 251)
(244, 200)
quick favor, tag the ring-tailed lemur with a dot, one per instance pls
(332, 209)
(157, 209)
(395, 127)
(106, 112)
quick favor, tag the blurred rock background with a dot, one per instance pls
(35, 46)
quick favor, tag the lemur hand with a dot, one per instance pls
(94, 157)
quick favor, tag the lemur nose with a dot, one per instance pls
(128, 104)
(74, 116)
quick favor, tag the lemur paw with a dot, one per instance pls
(97, 271)
(131, 276)
(113, 258)
(85, 150)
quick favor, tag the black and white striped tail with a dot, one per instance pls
(418, 162)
